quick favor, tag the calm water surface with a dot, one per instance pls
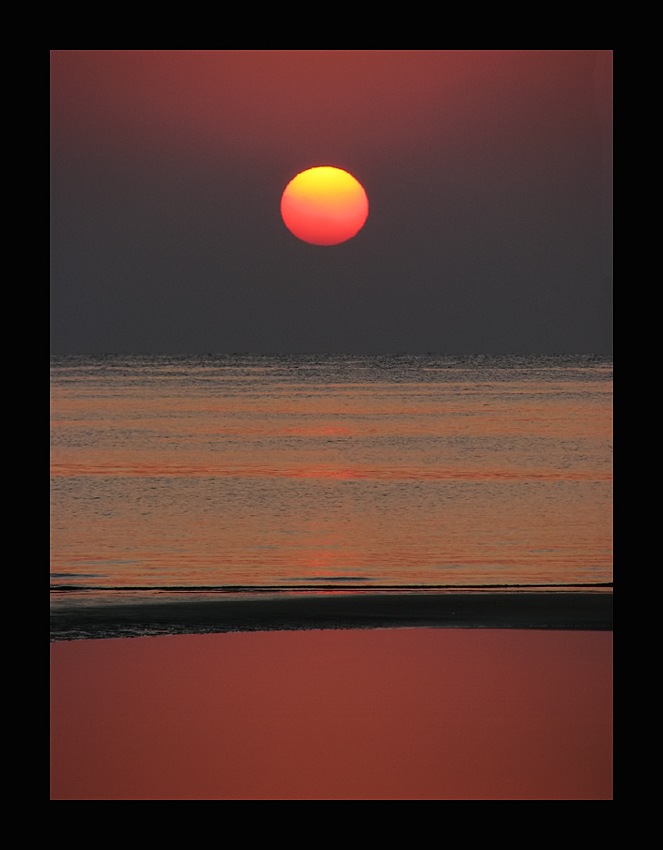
(247, 471)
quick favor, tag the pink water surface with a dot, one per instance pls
(386, 714)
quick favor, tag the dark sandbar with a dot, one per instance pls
(200, 613)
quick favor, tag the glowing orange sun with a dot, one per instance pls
(324, 206)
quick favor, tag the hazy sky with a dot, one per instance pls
(488, 174)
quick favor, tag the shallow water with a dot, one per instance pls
(385, 714)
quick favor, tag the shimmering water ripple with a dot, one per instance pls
(249, 471)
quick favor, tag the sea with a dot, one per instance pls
(329, 562)
(301, 473)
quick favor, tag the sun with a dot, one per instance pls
(324, 206)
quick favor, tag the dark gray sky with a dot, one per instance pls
(488, 174)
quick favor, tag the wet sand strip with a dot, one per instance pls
(205, 614)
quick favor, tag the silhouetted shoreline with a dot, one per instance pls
(187, 613)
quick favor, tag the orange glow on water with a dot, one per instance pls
(371, 480)
(324, 206)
